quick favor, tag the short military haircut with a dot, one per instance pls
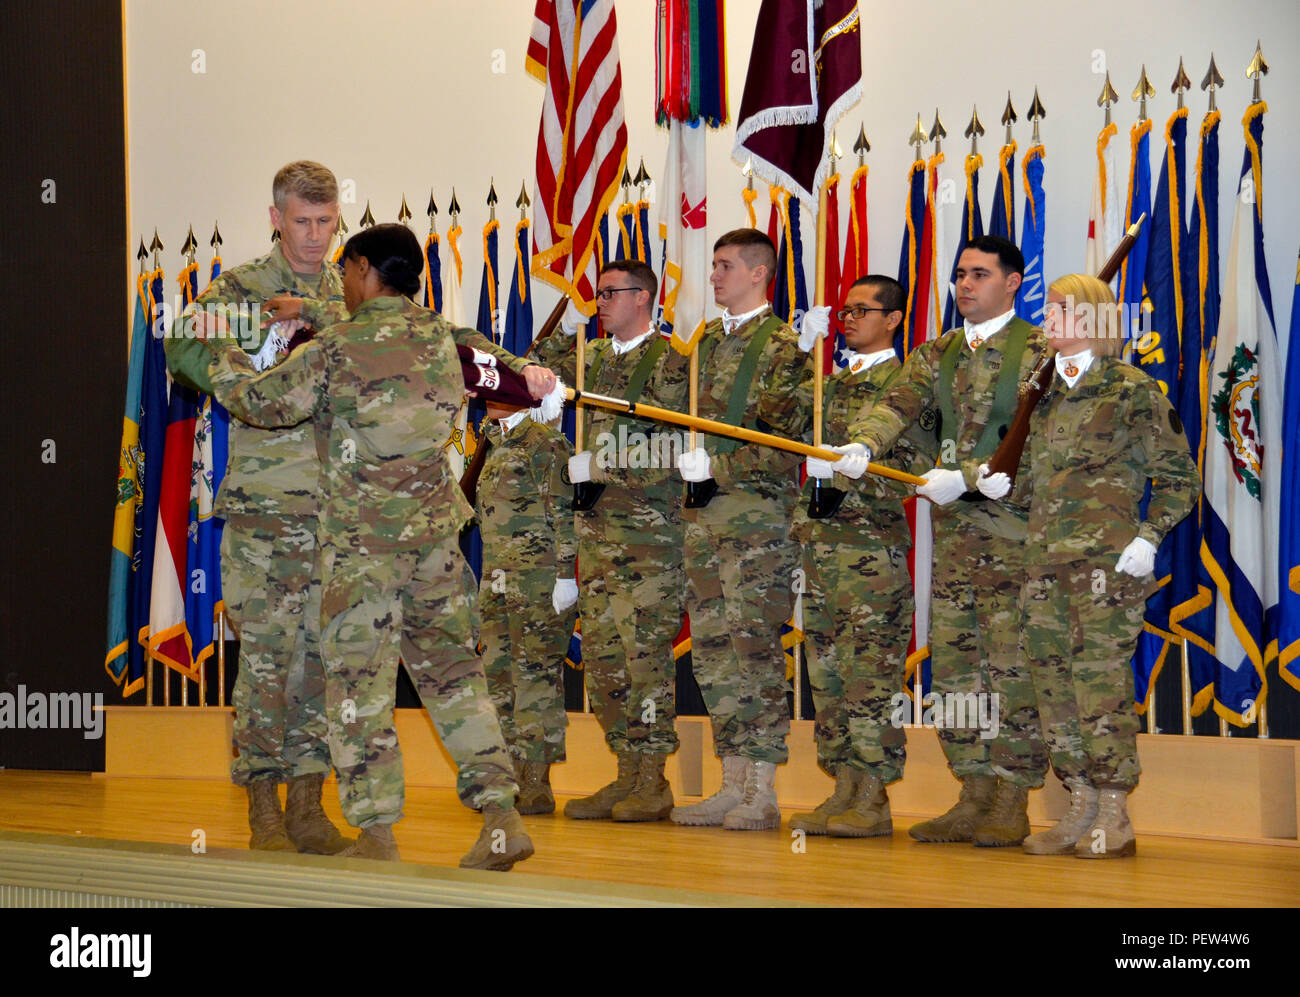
(888, 291)
(638, 275)
(756, 248)
(1010, 259)
(394, 253)
(307, 180)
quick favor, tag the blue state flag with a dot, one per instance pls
(1132, 272)
(972, 227)
(1032, 297)
(518, 333)
(433, 272)
(1288, 608)
(790, 296)
(1002, 217)
(911, 257)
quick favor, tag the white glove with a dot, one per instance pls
(580, 469)
(942, 485)
(573, 320)
(816, 323)
(1138, 559)
(854, 462)
(818, 468)
(992, 486)
(564, 595)
(694, 465)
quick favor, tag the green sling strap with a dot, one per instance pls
(635, 385)
(740, 388)
(1004, 395)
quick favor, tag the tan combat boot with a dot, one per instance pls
(846, 787)
(265, 819)
(869, 816)
(1060, 839)
(710, 812)
(535, 796)
(1111, 837)
(305, 821)
(757, 809)
(958, 824)
(376, 842)
(502, 842)
(600, 804)
(652, 797)
(1007, 821)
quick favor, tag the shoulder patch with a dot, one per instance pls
(928, 419)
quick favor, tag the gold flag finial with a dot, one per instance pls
(747, 171)
(1257, 69)
(1009, 118)
(974, 130)
(919, 137)
(432, 212)
(862, 146)
(216, 240)
(626, 184)
(367, 219)
(1036, 113)
(156, 247)
(1212, 81)
(835, 152)
(523, 201)
(1181, 83)
(1107, 97)
(641, 179)
(492, 199)
(404, 213)
(1141, 92)
(142, 254)
(937, 132)
(453, 209)
(191, 245)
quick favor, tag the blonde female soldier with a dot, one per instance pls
(1101, 431)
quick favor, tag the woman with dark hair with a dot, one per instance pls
(384, 389)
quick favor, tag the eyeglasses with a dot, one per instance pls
(607, 294)
(860, 312)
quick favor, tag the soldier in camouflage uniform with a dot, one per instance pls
(268, 501)
(740, 560)
(1099, 434)
(629, 544)
(857, 605)
(964, 384)
(523, 506)
(384, 389)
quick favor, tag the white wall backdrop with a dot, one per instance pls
(402, 95)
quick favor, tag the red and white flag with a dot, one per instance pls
(581, 142)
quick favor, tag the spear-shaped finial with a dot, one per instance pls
(626, 184)
(862, 146)
(747, 171)
(1181, 83)
(1212, 81)
(937, 132)
(453, 209)
(641, 179)
(1009, 118)
(1257, 68)
(404, 213)
(1107, 97)
(492, 199)
(834, 151)
(142, 254)
(523, 201)
(156, 247)
(215, 241)
(1141, 92)
(919, 137)
(974, 130)
(191, 245)
(343, 227)
(432, 212)
(367, 219)
(1036, 113)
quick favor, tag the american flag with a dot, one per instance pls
(581, 142)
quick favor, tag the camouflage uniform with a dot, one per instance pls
(384, 389)
(527, 530)
(1091, 450)
(979, 549)
(268, 500)
(857, 605)
(630, 545)
(740, 560)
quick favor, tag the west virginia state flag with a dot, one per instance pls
(1288, 630)
(1032, 298)
(1243, 483)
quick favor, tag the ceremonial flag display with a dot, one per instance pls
(1032, 297)
(1132, 272)
(914, 262)
(972, 227)
(683, 213)
(433, 272)
(829, 267)
(1288, 609)
(1104, 228)
(581, 142)
(855, 235)
(1243, 455)
(790, 290)
(1002, 217)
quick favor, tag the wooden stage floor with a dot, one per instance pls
(892, 872)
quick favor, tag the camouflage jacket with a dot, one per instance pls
(872, 510)
(272, 472)
(383, 389)
(1091, 450)
(523, 504)
(636, 459)
(916, 397)
(756, 484)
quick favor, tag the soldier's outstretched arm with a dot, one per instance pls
(284, 395)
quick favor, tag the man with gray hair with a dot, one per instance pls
(268, 500)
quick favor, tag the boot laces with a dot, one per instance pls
(1108, 808)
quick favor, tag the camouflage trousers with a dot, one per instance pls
(419, 603)
(739, 593)
(1081, 621)
(974, 638)
(524, 643)
(273, 602)
(630, 599)
(857, 612)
